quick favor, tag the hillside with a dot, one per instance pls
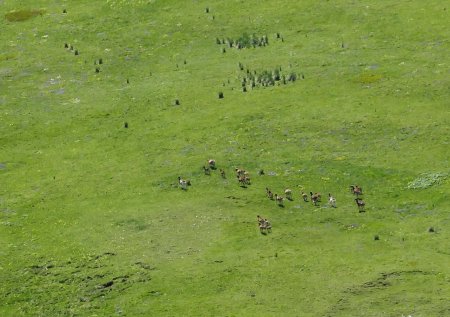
(104, 104)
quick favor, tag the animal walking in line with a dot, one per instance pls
(264, 225)
(356, 190)
(269, 194)
(222, 173)
(305, 197)
(212, 164)
(206, 170)
(243, 181)
(331, 201)
(279, 200)
(239, 171)
(288, 194)
(361, 204)
(183, 183)
(315, 198)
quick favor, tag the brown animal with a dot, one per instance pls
(315, 198)
(242, 181)
(356, 190)
(288, 193)
(264, 225)
(222, 173)
(269, 194)
(361, 204)
(305, 197)
(279, 200)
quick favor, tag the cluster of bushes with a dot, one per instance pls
(265, 78)
(427, 180)
(244, 41)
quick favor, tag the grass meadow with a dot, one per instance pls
(93, 222)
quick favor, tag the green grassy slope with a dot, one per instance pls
(93, 224)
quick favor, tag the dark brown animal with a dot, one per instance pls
(361, 204)
(315, 198)
(269, 194)
(356, 190)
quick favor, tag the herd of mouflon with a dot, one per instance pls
(243, 178)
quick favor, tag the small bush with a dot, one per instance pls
(220, 95)
(427, 180)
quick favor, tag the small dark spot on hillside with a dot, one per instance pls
(107, 284)
(155, 293)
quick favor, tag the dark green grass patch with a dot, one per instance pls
(23, 15)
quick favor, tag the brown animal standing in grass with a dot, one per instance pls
(269, 194)
(315, 198)
(239, 172)
(279, 200)
(212, 164)
(356, 190)
(264, 225)
(288, 193)
(305, 197)
(361, 204)
(268, 225)
(242, 181)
